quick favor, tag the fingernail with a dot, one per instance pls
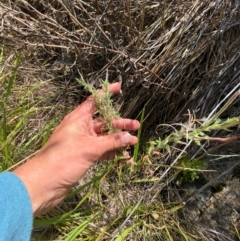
(126, 138)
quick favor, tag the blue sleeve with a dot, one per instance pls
(16, 215)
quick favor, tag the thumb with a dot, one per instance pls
(115, 141)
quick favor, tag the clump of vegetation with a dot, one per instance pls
(191, 170)
(21, 107)
(105, 108)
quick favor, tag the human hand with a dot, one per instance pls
(71, 150)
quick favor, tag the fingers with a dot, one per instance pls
(113, 142)
(120, 123)
(88, 107)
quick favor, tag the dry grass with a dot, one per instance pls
(172, 56)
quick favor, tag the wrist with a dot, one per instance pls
(40, 184)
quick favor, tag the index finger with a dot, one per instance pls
(89, 106)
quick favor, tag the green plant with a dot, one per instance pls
(196, 130)
(105, 107)
(104, 103)
(190, 171)
(20, 106)
(136, 148)
(6, 134)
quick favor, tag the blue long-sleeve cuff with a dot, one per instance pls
(16, 215)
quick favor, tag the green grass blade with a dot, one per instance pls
(78, 230)
(17, 127)
(47, 131)
(183, 234)
(136, 149)
(3, 138)
(1, 61)
(125, 233)
(144, 180)
(12, 78)
(168, 235)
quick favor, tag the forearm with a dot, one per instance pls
(37, 185)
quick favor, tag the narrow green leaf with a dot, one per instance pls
(47, 130)
(125, 233)
(1, 60)
(136, 149)
(12, 78)
(152, 179)
(78, 230)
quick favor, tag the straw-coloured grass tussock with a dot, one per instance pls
(177, 58)
(170, 55)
